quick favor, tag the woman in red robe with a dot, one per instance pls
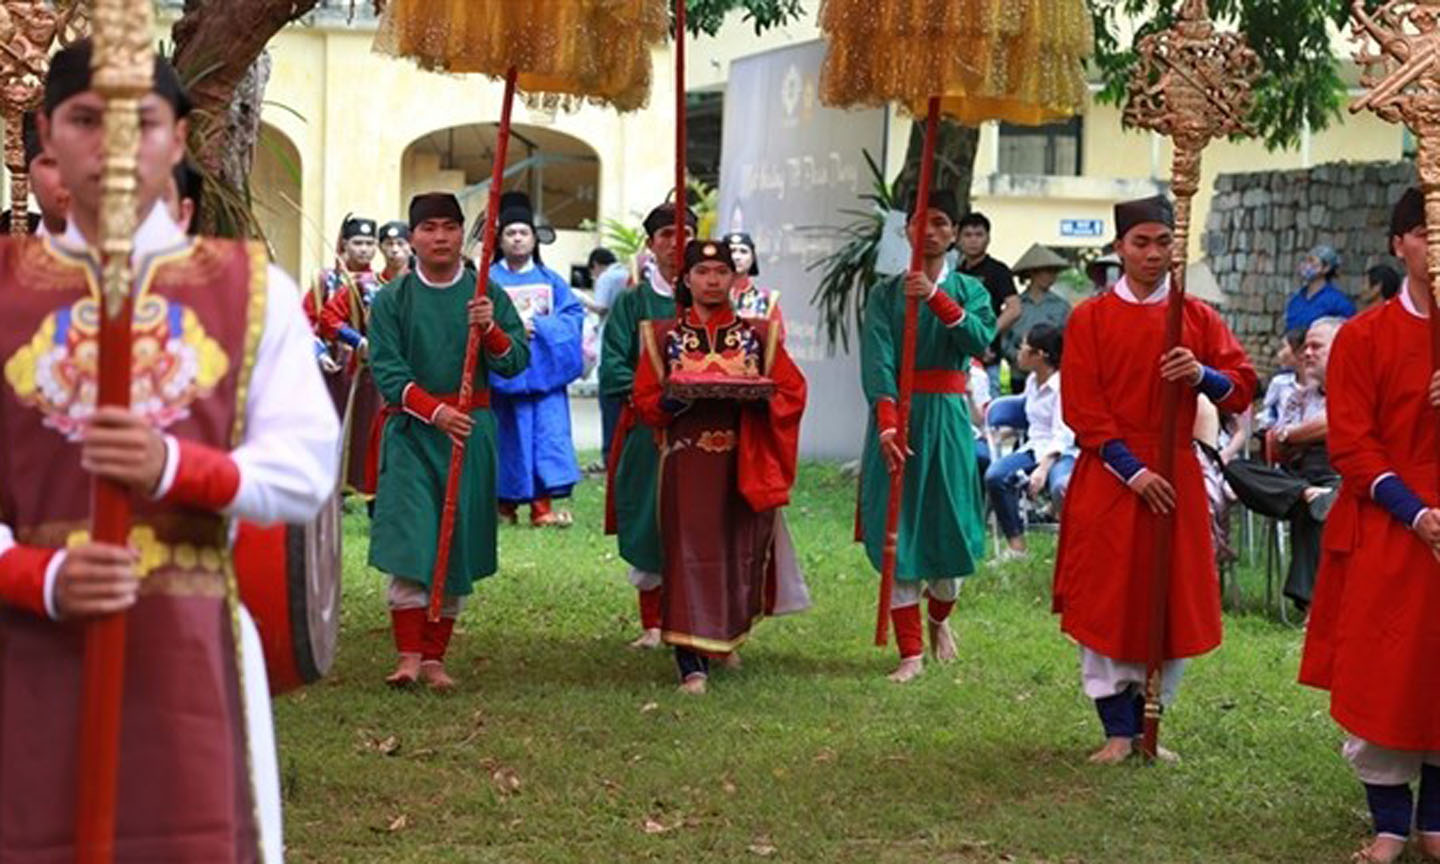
(726, 400)
(1374, 634)
(1115, 369)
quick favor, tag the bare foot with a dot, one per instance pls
(694, 684)
(1430, 844)
(433, 673)
(908, 670)
(406, 671)
(650, 638)
(1115, 751)
(942, 642)
(731, 660)
(1381, 850)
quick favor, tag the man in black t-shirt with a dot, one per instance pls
(975, 261)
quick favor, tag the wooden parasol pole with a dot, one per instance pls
(472, 350)
(890, 554)
(1403, 75)
(123, 73)
(1192, 84)
(681, 201)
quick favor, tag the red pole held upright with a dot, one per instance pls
(472, 351)
(680, 141)
(889, 556)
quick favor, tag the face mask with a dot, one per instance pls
(1310, 272)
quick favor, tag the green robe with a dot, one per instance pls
(942, 525)
(637, 473)
(418, 333)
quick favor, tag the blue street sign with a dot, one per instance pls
(1082, 227)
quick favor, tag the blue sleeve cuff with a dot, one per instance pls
(1120, 460)
(349, 335)
(320, 349)
(1215, 386)
(1391, 493)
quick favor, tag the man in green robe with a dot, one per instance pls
(942, 527)
(418, 329)
(632, 490)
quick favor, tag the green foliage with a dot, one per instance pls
(561, 746)
(623, 238)
(1301, 84)
(707, 16)
(848, 273)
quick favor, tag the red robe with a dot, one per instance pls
(1103, 570)
(1374, 635)
(726, 466)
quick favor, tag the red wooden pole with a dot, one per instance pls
(889, 556)
(680, 140)
(472, 350)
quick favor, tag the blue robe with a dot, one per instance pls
(532, 410)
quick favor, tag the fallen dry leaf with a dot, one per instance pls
(399, 823)
(825, 755)
(654, 826)
(764, 850)
(728, 787)
(648, 707)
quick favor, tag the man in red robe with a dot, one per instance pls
(725, 401)
(1116, 367)
(1374, 634)
(228, 420)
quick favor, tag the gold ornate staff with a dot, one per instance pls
(1403, 74)
(123, 67)
(1191, 84)
(28, 30)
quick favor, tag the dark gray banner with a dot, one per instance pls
(789, 167)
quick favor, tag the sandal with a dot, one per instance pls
(553, 519)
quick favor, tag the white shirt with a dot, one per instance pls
(290, 452)
(1048, 433)
(658, 282)
(1409, 303)
(1123, 290)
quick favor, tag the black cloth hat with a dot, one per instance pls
(357, 226)
(698, 251)
(740, 238)
(435, 205)
(1156, 208)
(665, 215)
(943, 200)
(1408, 214)
(30, 130)
(515, 207)
(392, 230)
(70, 75)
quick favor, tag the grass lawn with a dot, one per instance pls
(562, 746)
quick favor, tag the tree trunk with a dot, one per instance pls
(217, 43)
(955, 150)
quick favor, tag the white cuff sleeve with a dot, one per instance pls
(52, 571)
(172, 467)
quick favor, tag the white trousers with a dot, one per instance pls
(909, 593)
(1382, 766)
(404, 594)
(1103, 677)
(644, 580)
(260, 736)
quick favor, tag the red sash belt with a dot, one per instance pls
(479, 401)
(941, 382)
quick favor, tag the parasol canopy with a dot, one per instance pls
(593, 50)
(1020, 61)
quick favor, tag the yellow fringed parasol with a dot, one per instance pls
(591, 50)
(1021, 61)
(556, 51)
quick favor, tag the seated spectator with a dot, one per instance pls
(1039, 267)
(1047, 457)
(1318, 297)
(1382, 282)
(1283, 382)
(1302, 485)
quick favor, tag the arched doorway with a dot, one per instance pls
(560, 172)
(276, 185)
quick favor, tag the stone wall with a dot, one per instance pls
(1261, 224)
